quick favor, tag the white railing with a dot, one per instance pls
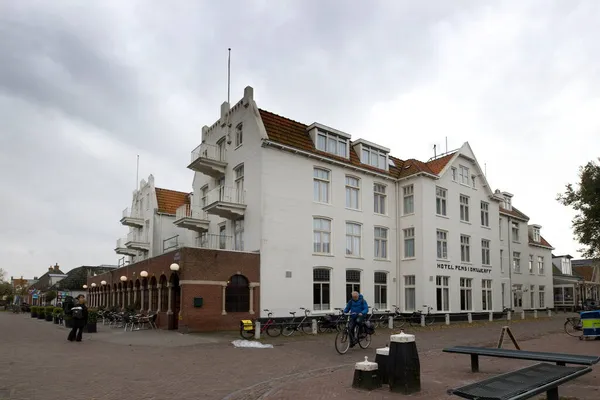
(138, 237)
(226, 194)
(121, 243)
(128, 214)
(209, 151)
(187, 211)
(213, 241)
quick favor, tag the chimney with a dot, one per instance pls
(204, 133)
(248, 95)
(50, 268)
(56, 267)
(224, 109)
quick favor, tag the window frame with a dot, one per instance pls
(442, 288)
(380, 287)
(320, 283)
(441, 201)
(408, 236)
(465, 248)
(379, 198)
(408, 198)
(350, 189)
(441, 244)
(319, 182)
(352, 285)
(340, 142)
(485, 214)
(464, 202)
(485, 252)
(373, 153)
(410, 286)
(466, 288)
(486, 295)
(381, 242)
(516, 262)
(321, 231)
(353, 236)
(239, 135)
(464, 175)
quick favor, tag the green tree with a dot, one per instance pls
(5, 289)
(585, 200)
(2, 274)
(51, 295)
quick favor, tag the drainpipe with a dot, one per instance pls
(510, 262)
(398, 247)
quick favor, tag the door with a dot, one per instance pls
(518, 298)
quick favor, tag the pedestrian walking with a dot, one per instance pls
(79, 312)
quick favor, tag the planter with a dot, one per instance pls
(41, 316)
(33, 315)
(91, 327)
(56, 320)
(49, 318)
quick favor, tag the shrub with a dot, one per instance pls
(49, 310)
(57, 311)
(92, 315)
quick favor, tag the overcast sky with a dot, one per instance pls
(83, 89)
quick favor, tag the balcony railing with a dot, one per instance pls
(187, 211)
(137, 237)
(212, 241)
(121, 243)
(127, 213)
(226, 194)
(208, 151)
(171, 243)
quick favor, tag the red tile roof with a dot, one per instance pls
(169, 200)
(585, 272)
(514, 213)
(543, 242)
(295, 135)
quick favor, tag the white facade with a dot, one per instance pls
(151, 232)
(321, 222)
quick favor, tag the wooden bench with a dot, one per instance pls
(560, 359)
(522, 384)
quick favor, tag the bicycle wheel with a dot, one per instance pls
(573, 327)
(246, 334)
(274, 330)
(306, 327)
(399, 321)
(342, 344)
(364, 340)
(289, 328)
(429, 320)
(414, 320)
(383, 322)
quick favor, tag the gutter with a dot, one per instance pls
(510, 261)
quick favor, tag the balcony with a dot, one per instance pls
(123, 249)
(212, 241)
(192, 218)
(138, 241)
(134, 220)
(209, 160)
(226, 202)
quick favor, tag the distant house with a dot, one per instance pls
(37, 291)
(72, 284)
(568, 286)
(589, 270)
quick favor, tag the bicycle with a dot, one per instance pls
(270, 327)
(415, 317)
(331, 321)
(291, 326)
(399, 320)
(342, 342)
(574, 327)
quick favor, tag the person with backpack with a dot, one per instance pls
(358, 309)
(79, 312)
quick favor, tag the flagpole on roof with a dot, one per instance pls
(228, 74)
(137, 173)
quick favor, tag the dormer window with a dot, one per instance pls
(536, 235)
(373, 157)
(333, 144)
(463, 174)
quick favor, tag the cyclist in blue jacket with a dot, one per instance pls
(358, 309)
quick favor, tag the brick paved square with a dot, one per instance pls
(37, 362)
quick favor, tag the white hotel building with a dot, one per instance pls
(330, 215)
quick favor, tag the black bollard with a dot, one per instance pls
(366, 375)
(404, 369)
(381, 358)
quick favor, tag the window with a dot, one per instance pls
(239, 184)
(532, 296)
(530, 264)
(454, 174)
(466, 294)
(321, 182)
(222, 238)
(352, 192)
(485, 252)
(486, 294)
(502, 288)
(353, 239)
(204, 191)
(380, 198)
(352, 283)
(502, 261)
(239, 135)
(536, 235)
(332, 144)
(463, 174)
(409, 242)
(541, 296)
(238, 238)
(374, 157)
(473, 180)
(322, 235)
(409, 199)
(465, 248)
(440, 201)
(540, 262)
(485, 214)
(442, 245)
(500, 228)
(515, 231)
(380, 290)
(237, 294)
(516, 261)
(321, 289)
(153, 296)
(381, 242)
(221, 149)
(464, 208)
(518, 296)
(164, 295)
(409, 293)
(442, 293)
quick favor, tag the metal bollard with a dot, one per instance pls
(422, 319)
(523, 314)
(314, 327)
(508, 315)
(470, 318)
(366, 375)
(391, 322)
(447, 319)
(491, 316)
(549, 312)
(404, 368)
(257, 330)
(535, 314)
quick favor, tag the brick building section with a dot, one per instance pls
(202, 273)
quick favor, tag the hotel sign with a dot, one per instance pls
(465, 268)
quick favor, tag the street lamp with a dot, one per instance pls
(174, 267)
(123, 278)
(144, 274)
(85, 286)
(103, 283)
(93, 285)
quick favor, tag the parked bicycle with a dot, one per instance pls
(331, 322)
(415, 317)
(291, 326)
(378, 320)
(271, 327)
(399, 320)
(574, 327)
(362, 335)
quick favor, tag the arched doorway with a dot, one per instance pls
(175, 300)
(237, 294)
